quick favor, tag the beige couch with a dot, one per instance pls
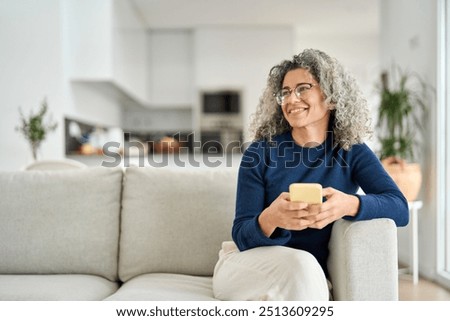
(150, 234)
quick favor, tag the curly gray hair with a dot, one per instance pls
(349, 115)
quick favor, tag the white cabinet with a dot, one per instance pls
(88, 39)
(171, 72)
(130, 54)
(154, 120)
(107, 42)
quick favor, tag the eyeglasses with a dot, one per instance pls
(299, 90)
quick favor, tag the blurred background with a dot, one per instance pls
(188, 74)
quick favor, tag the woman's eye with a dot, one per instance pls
(301, 89)
(285, 93)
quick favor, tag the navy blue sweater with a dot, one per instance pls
(268, 168)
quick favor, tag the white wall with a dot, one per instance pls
(409, 39)
(31, 69)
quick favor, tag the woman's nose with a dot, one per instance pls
(291, 98)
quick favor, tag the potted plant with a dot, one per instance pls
(34, 128)
(401, 114)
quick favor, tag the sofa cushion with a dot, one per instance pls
(55, 287)
(165, 287)
(175, 220)
(58, 222)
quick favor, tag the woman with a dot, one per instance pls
(309, 127)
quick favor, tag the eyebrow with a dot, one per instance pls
(300, 83)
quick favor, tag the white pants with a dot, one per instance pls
(268, 273)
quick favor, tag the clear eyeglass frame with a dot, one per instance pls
(284, 93)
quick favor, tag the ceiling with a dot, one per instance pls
(308, 16)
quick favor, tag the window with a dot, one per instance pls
(443, 141)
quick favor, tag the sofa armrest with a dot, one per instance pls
(363, 260)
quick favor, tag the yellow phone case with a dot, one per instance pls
(306, 192)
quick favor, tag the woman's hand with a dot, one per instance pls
(285, 214)
(298, 216)
(337, 205)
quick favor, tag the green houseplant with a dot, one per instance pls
(34, 128)
(401, 114)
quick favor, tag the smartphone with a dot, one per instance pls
(310, 193)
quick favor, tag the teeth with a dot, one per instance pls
(296, 110)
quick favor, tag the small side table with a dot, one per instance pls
(413, 269)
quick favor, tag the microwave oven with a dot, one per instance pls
(221, 102)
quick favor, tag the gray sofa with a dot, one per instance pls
(150, 234)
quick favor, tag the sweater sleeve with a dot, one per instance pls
(250, 202)
(382, 197)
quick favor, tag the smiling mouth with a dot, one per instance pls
(297, 110)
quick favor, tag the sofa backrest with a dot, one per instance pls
(174, 220)
(58, 222)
